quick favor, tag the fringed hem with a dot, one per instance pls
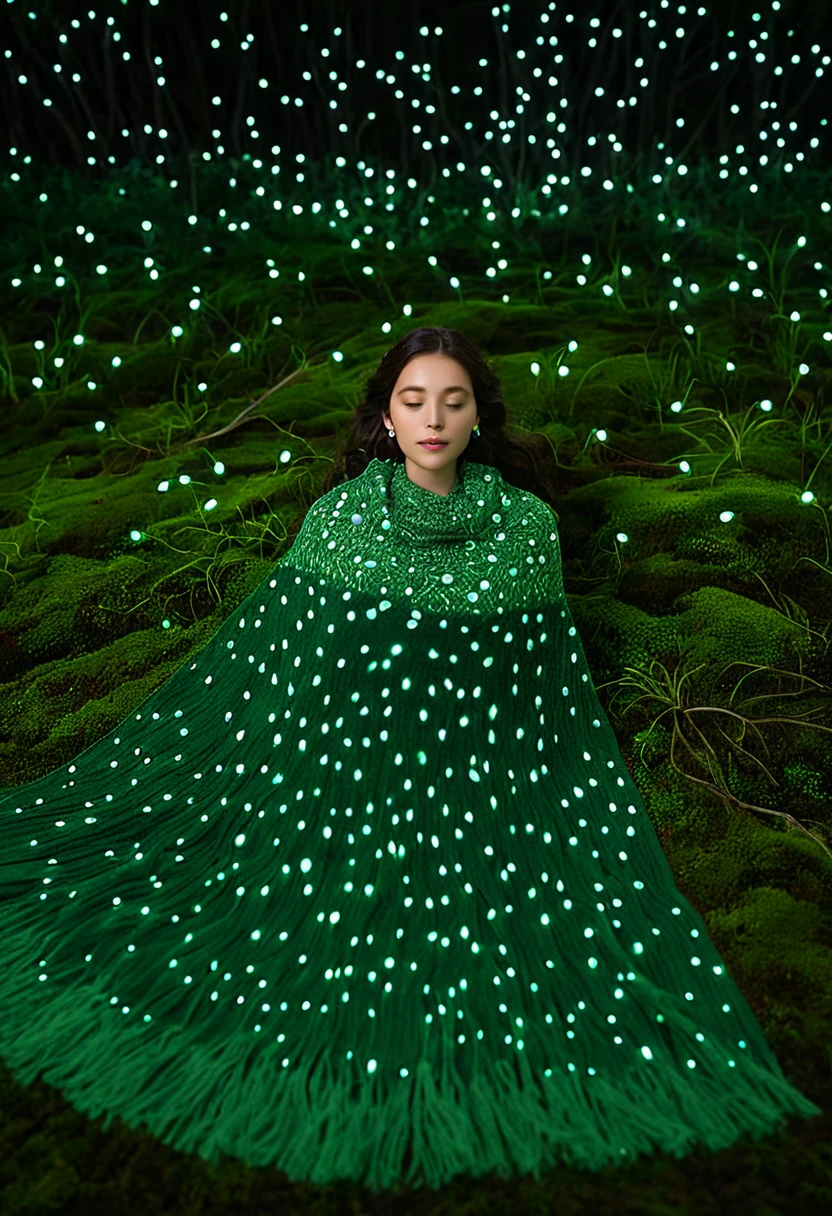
(334, 1120)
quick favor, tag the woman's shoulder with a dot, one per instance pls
(350, 493)
(531, 507)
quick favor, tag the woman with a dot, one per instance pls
(365, 890)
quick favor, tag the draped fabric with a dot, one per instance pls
(364, 890)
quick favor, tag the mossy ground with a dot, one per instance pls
(707, 636)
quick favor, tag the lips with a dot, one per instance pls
(440, 443)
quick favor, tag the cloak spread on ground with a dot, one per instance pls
(368, 877)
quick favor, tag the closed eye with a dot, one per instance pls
(455, 405)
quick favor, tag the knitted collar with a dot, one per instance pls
(425, 518)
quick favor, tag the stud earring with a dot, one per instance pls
(476, 432)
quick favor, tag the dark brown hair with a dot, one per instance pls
(525, 460)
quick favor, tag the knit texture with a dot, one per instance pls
(366, 885)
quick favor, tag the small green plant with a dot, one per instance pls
(780, 335)
(776, 280)
(808, 419)
(6, 374)
(670, 384)
(599, 363)
(740, 431)
(794, 612)
(670, 689)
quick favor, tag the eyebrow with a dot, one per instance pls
(417, 388)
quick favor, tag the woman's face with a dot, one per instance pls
(433, 397)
